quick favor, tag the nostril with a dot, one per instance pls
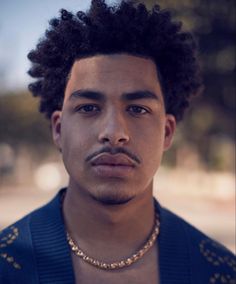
(105, 139)
(114, 140)
(114, 133)
(123, 139)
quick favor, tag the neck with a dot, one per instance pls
(108, 231)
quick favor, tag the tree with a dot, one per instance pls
(209, 124)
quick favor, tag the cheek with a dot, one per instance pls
(74, 141)
(152, 144)
(154, 150)
(151, 136)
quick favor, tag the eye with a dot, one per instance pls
(137, 110)
(87, 109)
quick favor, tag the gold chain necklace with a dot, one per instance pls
(118, 264)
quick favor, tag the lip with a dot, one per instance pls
(112, 160)
(118, 165)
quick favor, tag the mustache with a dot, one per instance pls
(114, 151)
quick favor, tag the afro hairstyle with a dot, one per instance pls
(127, 27)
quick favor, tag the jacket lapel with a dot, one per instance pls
(50, 245)
(174, 256)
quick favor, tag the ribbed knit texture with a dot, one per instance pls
(181, 260)
(48, 235)
(174, 256)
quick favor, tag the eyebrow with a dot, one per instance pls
(137, 95)
(88, 94)
(98, 96)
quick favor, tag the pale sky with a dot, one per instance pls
(22, 23)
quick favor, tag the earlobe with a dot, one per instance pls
(56, 128)
(170, 127)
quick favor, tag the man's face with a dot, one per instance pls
(113, 129)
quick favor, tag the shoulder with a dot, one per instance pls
(17, 251)
(218, 262)
(10, 237)
(22, 244)
(209, 260)
(16, 256)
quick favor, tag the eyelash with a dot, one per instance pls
(141, 110)
(82, 108)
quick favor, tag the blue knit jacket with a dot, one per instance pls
(35, 250)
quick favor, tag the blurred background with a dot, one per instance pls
(197, 178)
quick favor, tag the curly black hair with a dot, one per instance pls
(125, 28)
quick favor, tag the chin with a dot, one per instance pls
(113, 199)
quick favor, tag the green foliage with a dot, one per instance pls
(21, 123)
(212, 116)
(209, 125)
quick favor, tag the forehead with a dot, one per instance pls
(121, 72)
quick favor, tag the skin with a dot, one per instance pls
(112, 103)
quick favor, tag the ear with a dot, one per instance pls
(56, 128)
(170, 126)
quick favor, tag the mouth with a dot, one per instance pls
(107, 165)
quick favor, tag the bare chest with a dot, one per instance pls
(142, 272)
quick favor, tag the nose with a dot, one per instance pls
(114, 130)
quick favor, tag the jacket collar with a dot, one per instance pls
(51, 249)
(49, 235)
(174, 256)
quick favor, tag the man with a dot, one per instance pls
(113, 81)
